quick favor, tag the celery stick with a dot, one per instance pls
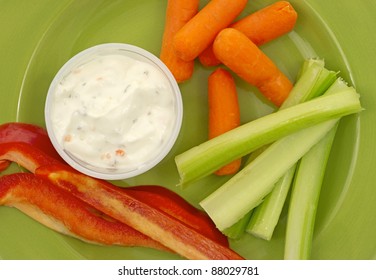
(313, 81)
(302, 208)
(237, 230)
(245, 190)
(325, 80)
(204, 159)
(308, 64)
(304, 199)
(265, 216)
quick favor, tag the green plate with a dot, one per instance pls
(39, 36)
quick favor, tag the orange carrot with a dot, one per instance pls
(261, 27)
(242, 56)
(224, 113)
(200, 31)
(178, 13)
(268, 23)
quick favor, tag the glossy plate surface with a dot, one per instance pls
(39, 36)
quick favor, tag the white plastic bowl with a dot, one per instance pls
(83, 164)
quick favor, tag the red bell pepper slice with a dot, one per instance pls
(26, 155)
(26, 133)
(171, 203)
(64, 213)
(154, 223)
(158, 197)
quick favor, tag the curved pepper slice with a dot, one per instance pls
(26, 133)
(174, 205)
(60, 211)
(159, 197)
(154, 223)
(26, 155)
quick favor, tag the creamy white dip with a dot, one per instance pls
(113, 112)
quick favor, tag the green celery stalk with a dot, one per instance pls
(204, 159)
(246, 190)
(307, 63)
(304, 199)
(237, 230)
(265, 216)
(305, 194)
(324, 81)
(313, 81)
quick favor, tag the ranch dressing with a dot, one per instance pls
(113, 112)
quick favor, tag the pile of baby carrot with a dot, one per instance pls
(214, 37)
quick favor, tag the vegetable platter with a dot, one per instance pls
(42, 35)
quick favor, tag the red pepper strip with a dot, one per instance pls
(174, 205)
(26, 133)
(26, 155)
(158, 197)
(152, 222)
(60, 211)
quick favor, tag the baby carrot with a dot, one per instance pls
(200, 31)
(268, 23)
(261, 27)
(224, 113)
(178, 13)
(242, 56)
